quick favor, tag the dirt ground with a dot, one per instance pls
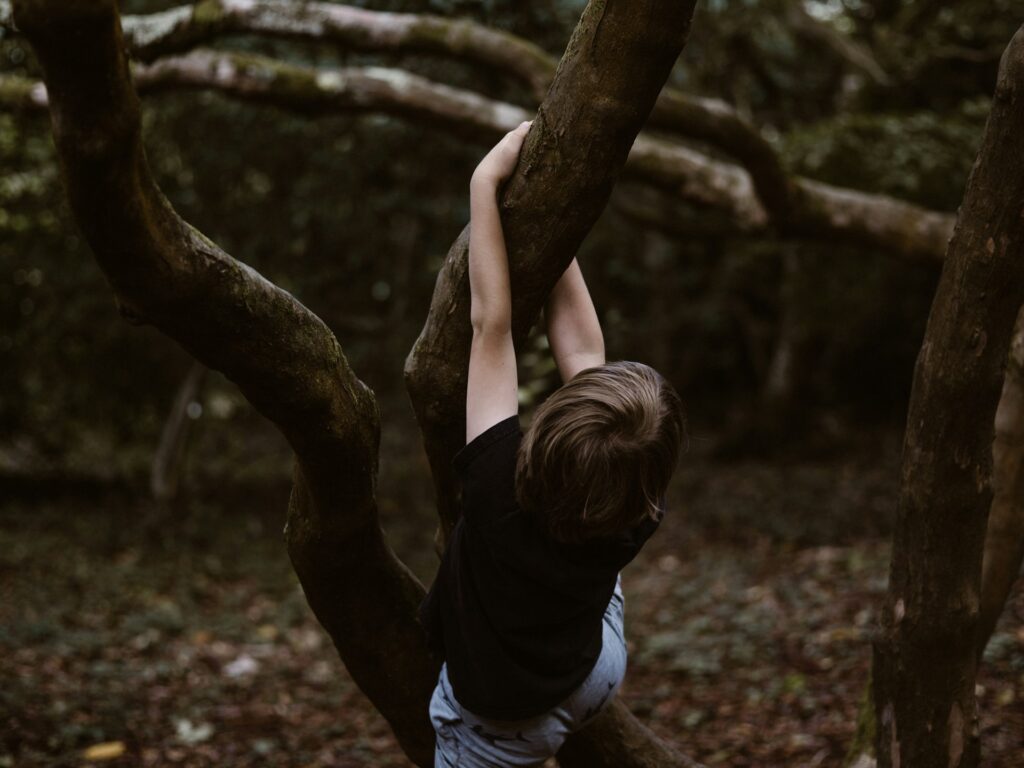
(134, 637)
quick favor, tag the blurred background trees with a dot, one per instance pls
(772, 339)
(788, 348)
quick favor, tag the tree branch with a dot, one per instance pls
(814, 209)
(576, 147)
(617, 739)
(709, 120)
(152, 36)
(607, 82)
(855, 55)
(182, 28)
(282, 357)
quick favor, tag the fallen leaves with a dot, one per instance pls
(107, 750)
(199, 653)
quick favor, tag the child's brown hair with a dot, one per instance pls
(599, 453)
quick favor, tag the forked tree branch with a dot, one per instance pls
(287, 362)
(282, 357)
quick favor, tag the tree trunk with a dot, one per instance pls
(1004, 537)
(924, 661)
(282, 357)
(287, 362)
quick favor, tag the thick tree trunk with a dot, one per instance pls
(1004, 537)
(287, 362)
(283, 358)
(924, 661)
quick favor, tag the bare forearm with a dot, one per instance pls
(491, 386)
(491, 304)
(574, 331)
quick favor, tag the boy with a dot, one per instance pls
(527, 608)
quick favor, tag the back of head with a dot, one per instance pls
(599, 453)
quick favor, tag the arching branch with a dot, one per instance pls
(179, 29)
(707, 120)
(815, 209)
(282, 357)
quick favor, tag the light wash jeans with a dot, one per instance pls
(467, 741)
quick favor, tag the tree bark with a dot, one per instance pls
(924, 660)
(1004, 536)
(282, 357)
(287, 362)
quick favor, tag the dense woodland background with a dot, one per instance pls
(175, 627)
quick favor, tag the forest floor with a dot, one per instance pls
(130, 636)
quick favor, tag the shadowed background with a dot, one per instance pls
(146, 598)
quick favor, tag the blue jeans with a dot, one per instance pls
(467, 741)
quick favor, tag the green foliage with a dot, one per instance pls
(354, 215)
(67, 359)
(922, 157)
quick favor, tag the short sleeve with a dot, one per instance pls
(487, 467)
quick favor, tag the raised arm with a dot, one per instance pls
(491, 393)
(573, 328)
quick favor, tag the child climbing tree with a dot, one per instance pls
(288, 363)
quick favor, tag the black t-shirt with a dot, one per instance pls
(516, 614)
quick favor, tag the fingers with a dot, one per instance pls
(520, 130)
(514, 138)
(499, 163)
